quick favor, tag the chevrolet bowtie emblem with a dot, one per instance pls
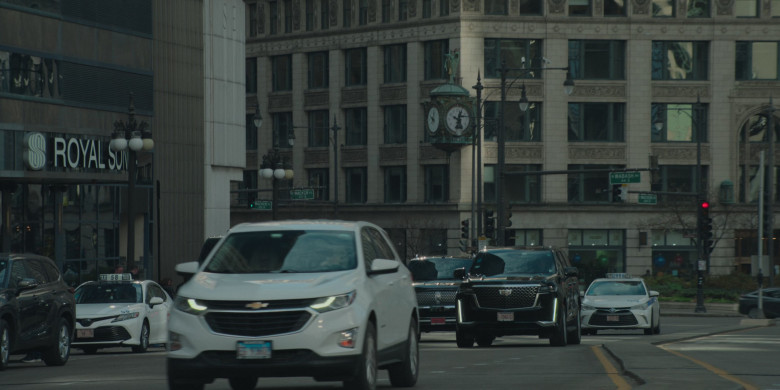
(256, 305)
(437, 297)
(505, 293)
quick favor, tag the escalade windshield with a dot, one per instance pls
(284, 251)
(513, 262)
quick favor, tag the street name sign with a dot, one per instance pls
(263, 205)
(623, 177)
(302, 194)
(648, 198)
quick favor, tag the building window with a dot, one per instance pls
(663, 8)
(249, 182)
(251, 133)
(437, 183)
(356, 126)
(273, 15)
(775, 12)
(757, 126)
(318, 180)
(251, 75)
(596, 252)
(600, 122)
(680, 60)
(318, 128)
(516, 53)
(757, 60)
(681, 122)
(318, 70)
(444, 7)
(531, 7)
(403, 10)
(754, 183)
(324, 14)
(347, 13)
(597, 60)
(362, 12)
(435, 52)
(427, 9)
(520, 126)
(309, 15)
(495, 7)
(395, 63)
(395, 184)
(674, 253)
(287, 16)
(519, 189)
(283, 126)
(523, 237)
(281, 70)
(698, 9)
(387, 11)
(252, 19)
(356, 67)
(356, 185)
(614, 8)
(746, 8)
(590, 187)
(395, 124)
(678, 178)
(579, 8)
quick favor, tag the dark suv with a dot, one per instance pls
(37, 309)
(436, 287)
(511, 291)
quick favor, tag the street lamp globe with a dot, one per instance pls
(119, 143)
(266, 173)
(279, 172)
(135, 143)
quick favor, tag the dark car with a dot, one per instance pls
(748, 303)
(511, 291)
(435, 287)
(37, 309)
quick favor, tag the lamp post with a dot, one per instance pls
(273, 166)
(568, 86)
(131, 136)
(335, 129)
(769, 217)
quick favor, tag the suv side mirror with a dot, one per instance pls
(459, 273)
(26, 284)
(570, 271)
(383, 266)
(187, 269)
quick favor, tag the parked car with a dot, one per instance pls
(324, 299)
(511, 291)
(117, 311)
(620, 302)
(436, 286)
(748, 303)
(37, 309)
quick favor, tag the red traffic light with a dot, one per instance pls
(705, 205)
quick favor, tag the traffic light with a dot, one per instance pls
(508, 219)
(618, 193)
(490, 224)
(464, 228)
(705, 223)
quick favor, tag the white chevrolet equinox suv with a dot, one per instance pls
(316, 298)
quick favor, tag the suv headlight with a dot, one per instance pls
(334, 302)
(189, 305)
(126, 316)
(548, 287)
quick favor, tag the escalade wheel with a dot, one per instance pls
(58, 353)
(365, 377)
(243, 383)
(5, 345)
(404, 373)
(464, 339)
(558, 337)
(574, 336)
(485, 341)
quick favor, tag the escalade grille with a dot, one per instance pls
(429, 298)
(257, 324)
(506, 297)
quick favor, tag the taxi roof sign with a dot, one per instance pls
(116, 277)
(619, 275)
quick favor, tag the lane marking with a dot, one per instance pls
(717, 371)
(612, 373)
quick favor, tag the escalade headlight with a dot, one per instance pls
(334, 302)
(189, 305)
(126, 316)
(548, 287)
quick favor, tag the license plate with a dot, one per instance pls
(506, 316)
(85, 333)
(613, 318)
(253, 350)
(437, 321)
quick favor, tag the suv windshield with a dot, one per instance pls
(513, 262)
(437, 268)
(285, 251)
(109, 293)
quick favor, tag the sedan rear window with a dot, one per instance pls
(284, 251)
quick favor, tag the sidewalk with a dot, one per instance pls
(684, 309)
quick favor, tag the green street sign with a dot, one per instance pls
(261, 205)
(302, 194)
(623, 177)
(648, 198)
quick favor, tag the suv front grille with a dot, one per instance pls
(506, 297)
(255, 324)
(436, 298)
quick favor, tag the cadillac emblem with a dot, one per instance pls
(256, 305)
(506, 292)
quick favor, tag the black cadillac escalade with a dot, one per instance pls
(510, 291)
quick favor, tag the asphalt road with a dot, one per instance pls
(690, 353)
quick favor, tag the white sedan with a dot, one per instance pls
(622, 303)
(117, 313)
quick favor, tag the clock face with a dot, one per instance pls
(457, 120)
(433, 119)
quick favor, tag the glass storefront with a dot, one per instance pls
(674, 253)
(596, 252)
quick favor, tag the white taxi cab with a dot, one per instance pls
(117, 311)
(620, 302)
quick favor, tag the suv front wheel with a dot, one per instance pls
(404, 373)
(559, 336)
(463, 338)
(59, 352)
(365, 377)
